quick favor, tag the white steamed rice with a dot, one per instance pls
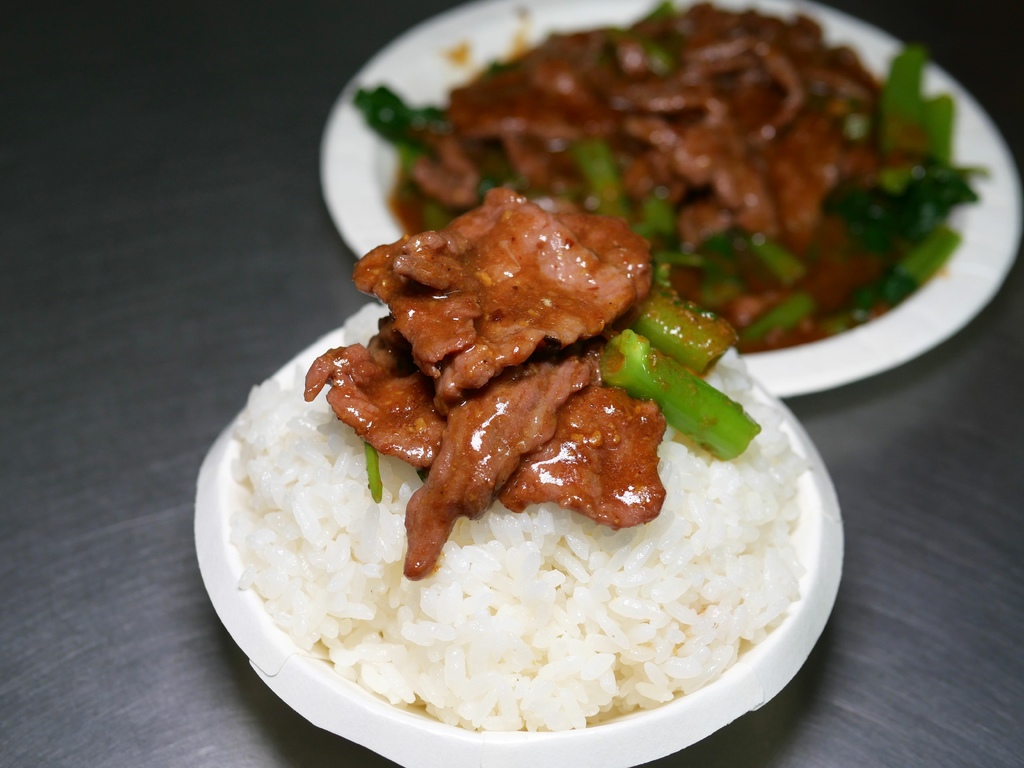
(538, 621)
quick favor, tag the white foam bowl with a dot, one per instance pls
(358, 170)
(310, 686)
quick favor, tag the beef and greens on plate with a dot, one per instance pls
(780, 184)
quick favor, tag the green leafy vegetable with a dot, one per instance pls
(911, 123)
(396, 122)
(921, 200)
(929, 199)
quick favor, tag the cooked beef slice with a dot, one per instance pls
(601, 462)
(502, 281)
(485, 437)
(382, 396)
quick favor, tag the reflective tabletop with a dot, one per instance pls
(165, 246)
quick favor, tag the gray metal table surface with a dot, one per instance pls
(165, 246)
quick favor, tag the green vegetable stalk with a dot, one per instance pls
(664, 261)
(596, 163)
(373, 472)
(781, 262)
(720, 281)
(691, 335)
(910, 122)
(786, 314)
(918, 265)
(657, 219)
(901, 105)
(925, 259)
(938, 116)
(689, 403)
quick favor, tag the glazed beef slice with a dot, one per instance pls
(601, 462)
(485, 437)
(502, 281)
(377, 391)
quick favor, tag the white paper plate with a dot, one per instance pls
(311, 687)
(358, 171)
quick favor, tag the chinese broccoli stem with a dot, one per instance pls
(938, 115)
(901, 104)
(596, 163)
(718, 287)
(918, 265)
(786, 314)
(657, 218)
(895, 179)
(662, 275)
(902, 90)
(781, 262)
(924, 260)
(691, 335)
(690, 404)
(373, 472)
(664, 261)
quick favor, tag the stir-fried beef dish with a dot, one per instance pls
(779, 183)
(486, 372)
(702, 125)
